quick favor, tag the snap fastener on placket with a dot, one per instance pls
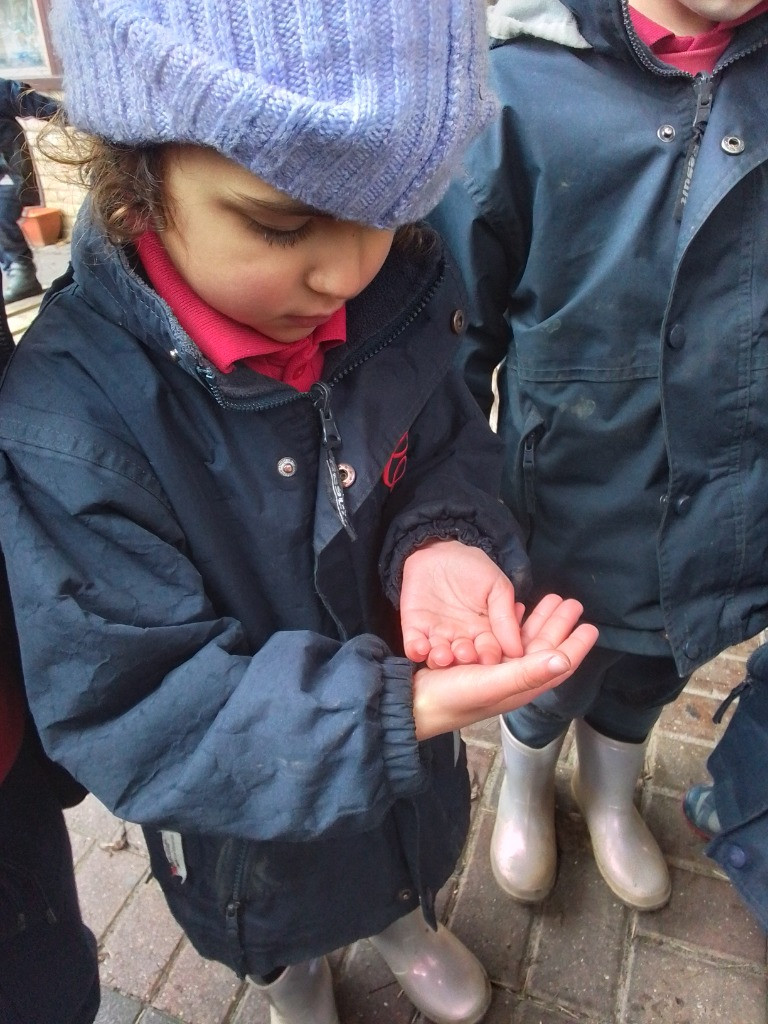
(287, 467)
(347, 474)
(733, 145)
(458, 321)
(666, 132)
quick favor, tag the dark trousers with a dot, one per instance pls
(13, 244)
(48, 968)
(620, 695)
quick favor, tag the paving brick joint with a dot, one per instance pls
(581, 956)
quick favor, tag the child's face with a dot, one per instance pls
(719, 10)
(255, 254)
(691, 17)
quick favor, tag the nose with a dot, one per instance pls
(349, 259)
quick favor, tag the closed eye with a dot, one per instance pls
(278, 236)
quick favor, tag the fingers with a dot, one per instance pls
(503, 619)
(463, 694)
(550, 622)
(576, 647)
(416, 645)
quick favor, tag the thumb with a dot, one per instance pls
(539, 668)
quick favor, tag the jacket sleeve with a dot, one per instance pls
(153, 701)
(480, 220)
(450, 490)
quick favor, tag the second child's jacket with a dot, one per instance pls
(206, 645)
(612, 229)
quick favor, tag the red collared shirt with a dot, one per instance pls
(224, 341)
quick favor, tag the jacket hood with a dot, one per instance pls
(111, 281)
(542, 19)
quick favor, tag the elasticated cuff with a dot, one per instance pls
(402, 760)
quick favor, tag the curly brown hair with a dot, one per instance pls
(124, 181)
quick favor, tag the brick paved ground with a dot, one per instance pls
(581, 956)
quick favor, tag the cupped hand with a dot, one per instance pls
(457, 606)
(553, 646)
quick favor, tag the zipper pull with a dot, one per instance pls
(529, 449)
(704, 88)
(321, 399)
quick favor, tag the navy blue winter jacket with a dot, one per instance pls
(634, 392)
(204, 645)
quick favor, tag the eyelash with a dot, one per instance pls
(272, 236)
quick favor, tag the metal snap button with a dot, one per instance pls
(405, 895)
(346, 474)
(174, 355)
(287, 467)
(458, 321)
(666, 133)
(733, 145)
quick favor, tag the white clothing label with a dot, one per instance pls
(174, 852)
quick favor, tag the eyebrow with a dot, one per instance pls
(292, 207)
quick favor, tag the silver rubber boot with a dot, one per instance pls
(626, 853)
(303, 994)
(523, 846)
(438, 973)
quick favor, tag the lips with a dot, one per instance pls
(309, 321)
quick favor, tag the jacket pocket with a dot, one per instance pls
(519, 489)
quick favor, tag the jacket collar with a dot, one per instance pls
(110, 280)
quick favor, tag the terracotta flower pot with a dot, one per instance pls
(40, 225)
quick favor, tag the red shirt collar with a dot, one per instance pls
(225, 341)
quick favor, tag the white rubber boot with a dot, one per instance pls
(303, 994)
(438, 973)
(523, 845)
(626, 853)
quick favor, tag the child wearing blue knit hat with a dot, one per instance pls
(233, 445)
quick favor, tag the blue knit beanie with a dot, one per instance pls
(361, 108)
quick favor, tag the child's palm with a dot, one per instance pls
(457, 606)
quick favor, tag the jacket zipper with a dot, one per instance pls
(320, 396)
(207, 375)
(233, 907)
(704, 88)
(331, 440)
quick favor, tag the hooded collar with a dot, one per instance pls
(110, 280)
